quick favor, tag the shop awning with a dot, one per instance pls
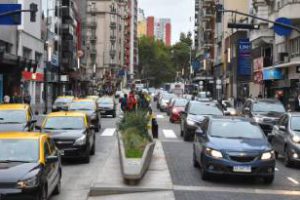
(284, 65)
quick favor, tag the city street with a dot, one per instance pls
(186, 180)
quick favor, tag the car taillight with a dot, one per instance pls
(175, 110)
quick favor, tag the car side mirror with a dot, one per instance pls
(282, 128)
(199, 132)
(51, 159)
(270, 137)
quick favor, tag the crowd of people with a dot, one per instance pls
(17, 98)
(132, 101)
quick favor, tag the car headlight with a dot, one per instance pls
(296, 138)
(267, 155)
(258, 119)
(213, 153)
(190, 122)
(233, 112)
(93, 116)
(28, 183)
(54, 107)
(80, 141)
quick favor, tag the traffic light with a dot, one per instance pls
(243, 26)
(219, 12)
(33, 10)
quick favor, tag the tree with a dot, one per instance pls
(155, 61)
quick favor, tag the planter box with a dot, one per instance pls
(133, 169)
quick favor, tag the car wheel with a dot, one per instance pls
(269, 179)
(57, 189)
(93, 149)
(287, 160)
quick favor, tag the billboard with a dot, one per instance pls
(273, 74)
(244, 57)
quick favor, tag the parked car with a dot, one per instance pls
(164, 100)
(119, 94)
(228, 108)
(107, 106)
(285, 138)
(233, 146)
(266, 112)
(62, 103)
(72, 133)
(169, 104)
(30, 166)
(176, 108)
(16, 117)
(193, 114)
(89, 107)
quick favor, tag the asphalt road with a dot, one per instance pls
(77, 177)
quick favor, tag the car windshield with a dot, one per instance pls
(19, 150)
(265, 107)
(84, 105)
(295, 123)
(62, 123)
(235, 129)
(204, 109)
(167, 97)
(63, 100)
(12, 116)
(105, 101)
(180, 102)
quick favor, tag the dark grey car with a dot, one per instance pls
(285, 138)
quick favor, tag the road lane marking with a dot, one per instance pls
(276, 169)
(168, 133)
(108, 132)
(160, 116)
(293, 180)
(235, 190)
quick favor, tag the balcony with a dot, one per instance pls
(93, 52)
(290, 10)
(113, 25)
(93, 38)
(67, 13)
(67, 29)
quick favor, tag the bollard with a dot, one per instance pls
(154, 128)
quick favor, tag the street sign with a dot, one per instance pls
(281, 30)
(219, 87)
(12, 19)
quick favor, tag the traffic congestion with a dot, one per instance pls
(226, 140)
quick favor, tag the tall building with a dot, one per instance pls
(105, 45)
(142, 23)
(160, 29)
(168, 34)
(150, 26)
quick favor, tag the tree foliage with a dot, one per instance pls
(160, 63)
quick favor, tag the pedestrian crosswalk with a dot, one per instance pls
(108, 132)
(170, 134)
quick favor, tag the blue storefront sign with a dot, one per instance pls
(272, 74)
(244, 57)
(14, 19)
(1, 88)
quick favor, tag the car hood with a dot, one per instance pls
(64, 134)
(250, 145)
(12, 127)
(13, 172)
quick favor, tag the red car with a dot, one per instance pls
(175, 108)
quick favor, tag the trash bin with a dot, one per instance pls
(154, 128)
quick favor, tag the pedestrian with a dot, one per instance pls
(16, 98)
(297, 103)
(6, 99)
(131, 101)
(123, 102)
(27, 98)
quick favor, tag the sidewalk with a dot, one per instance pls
(157, 182)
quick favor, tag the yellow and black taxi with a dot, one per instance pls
(62, 103)
(30, 166)
(16, 117)
(90, 107)
(72, 133)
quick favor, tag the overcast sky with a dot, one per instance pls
(179, 11)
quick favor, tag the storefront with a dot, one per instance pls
(32, 84)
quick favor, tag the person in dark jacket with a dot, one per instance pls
(123, 102)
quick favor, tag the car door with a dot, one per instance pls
(282, 134)
(89, 131)
(275, 133)
(55, 167)
(200, 140)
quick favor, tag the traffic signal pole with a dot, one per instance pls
(259, 18)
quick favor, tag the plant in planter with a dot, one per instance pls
(134, 130)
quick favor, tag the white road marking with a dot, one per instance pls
(237, 190)
(160, 116)
(293, 180)
(108, 132)
(168, 133)
(276, 169)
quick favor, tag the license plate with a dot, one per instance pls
(102, 111)
(62, 152)
(244, 169)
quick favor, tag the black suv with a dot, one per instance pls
(266, 112)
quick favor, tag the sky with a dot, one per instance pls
(180, 12)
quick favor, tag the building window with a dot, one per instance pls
(5, 46)
(27, 53)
